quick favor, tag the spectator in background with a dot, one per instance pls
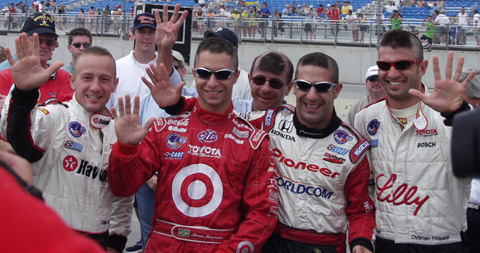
(286, 11)
(431, 4)
(362, 20)
(91, 18)
(293, 9)
(390, 7)
(352, 23)
(264, 15)
(346, 7)
(462, 26)
(61, 18)
(429, 27)
(396, 20)
(179, 64)
(443, 21)
(375, 92)
(79, 39)
(81, 18)
(334, 15)
(107, 20)
(117, 16)
(476, 26)
(320, 9)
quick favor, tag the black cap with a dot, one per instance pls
(144, 19)
(223, 33)
(40, 23)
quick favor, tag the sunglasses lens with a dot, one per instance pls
(223, 74)
(303, 86)
(49, 42)
(86, 45)
(276, 84)
(383, 65)
(203, 73)
(259, 80)
(401, 65)
(323, 87)
(373, 79)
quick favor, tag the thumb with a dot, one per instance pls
(418, 94)
(54, 67)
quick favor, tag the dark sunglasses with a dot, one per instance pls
(221, 74)
(274, 83)
(399, 65)
(84, 44)
(373, 79)
(323, 86)
(49, 41)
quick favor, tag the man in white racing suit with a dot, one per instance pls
(69, 144)
(420, 204)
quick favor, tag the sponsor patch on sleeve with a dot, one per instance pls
(45, 111)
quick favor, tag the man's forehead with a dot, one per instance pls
(281, 76)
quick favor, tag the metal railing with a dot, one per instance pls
(290, 31)
(327, 32)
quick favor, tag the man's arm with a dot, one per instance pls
(166, 34)
(29, 76)
(120, 221)
(128, 170)
(360, 209)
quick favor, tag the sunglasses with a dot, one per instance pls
(221, 74)
(399, 65)
(84, 44)
(323, 86)
(274, 83)
(49, 41)
(373, 79)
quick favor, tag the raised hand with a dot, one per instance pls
(27, 72)
(166, 34)
(449, 92)
(128, 128)
(162, 89)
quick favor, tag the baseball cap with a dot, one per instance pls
(144, 20)
(223, 33)
(40, 23)
(118, 6)
(372, 71)
(328, 5)
(179, 57)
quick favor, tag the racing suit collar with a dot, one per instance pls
(96, 120)
(315, 133)
(211, 118)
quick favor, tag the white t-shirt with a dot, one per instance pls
(476, 20)
(462, 19)
(442, 19)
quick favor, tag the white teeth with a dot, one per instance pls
(93, 97)
(395, 83)
(213, 92)
(312, 106)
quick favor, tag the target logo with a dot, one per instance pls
(197, 190)
(245, 247)
(70, 163)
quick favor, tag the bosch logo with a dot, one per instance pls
(285, 126)
(201, 187)
(207, 136)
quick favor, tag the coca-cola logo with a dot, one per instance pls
(402, 194)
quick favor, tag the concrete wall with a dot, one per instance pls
(353, 61)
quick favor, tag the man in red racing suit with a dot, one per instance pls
(211, 165)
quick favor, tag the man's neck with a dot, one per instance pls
(143, 57)
(373, 97)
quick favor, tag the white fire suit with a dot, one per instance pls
(323, 181)
(69, 149)
(417, 197)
